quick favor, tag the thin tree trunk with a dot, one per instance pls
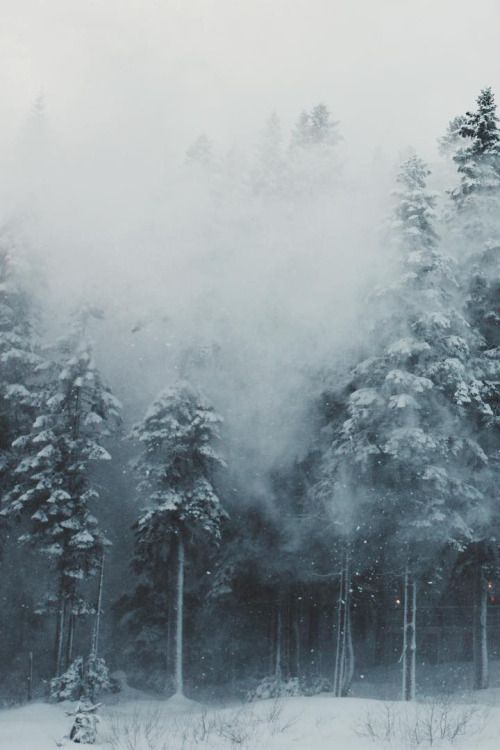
(30, 676)
(61, 613)
(344, 655)
(350, 654)
(277, 664)
(169, 641)
(97, 622)
(405, 637)
(297, 638)
(179, 634)
(413, 641)
(409, 655)
(71, 634)
(480, 629)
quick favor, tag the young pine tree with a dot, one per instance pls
(178, 435)
(54, 491)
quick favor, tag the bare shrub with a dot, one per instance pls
(144, 729)
(427, 724)
(243, 728)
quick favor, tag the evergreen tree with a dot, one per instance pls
(453, 139)
(313, 159)
(270, 171)
(183, 510)
(478, 164)
(19, 356)
(54, 491)
(476, 230)
(400, 442)
(315, 129)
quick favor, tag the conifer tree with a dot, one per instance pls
(313, 160)
(19, 356)
(401, 443)
(178, 436)
(476, 231)
(270, 170)
(54, 492)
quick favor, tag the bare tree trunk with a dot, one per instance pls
(30, 676)
(277, 664)
(350, 654)
(404, 659)
(409, 655)
(413, 641)
(344, 655)
(179, 634)
(61, 616)
(297, 638)
(480, 628)
(97, 622)
(71, 634)
(336, 674)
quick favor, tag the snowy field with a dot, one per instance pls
(318, 723)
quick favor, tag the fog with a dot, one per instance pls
(100, 103)
(251, 270)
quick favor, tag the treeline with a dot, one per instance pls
(393, 504)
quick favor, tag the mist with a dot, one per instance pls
(249, 362)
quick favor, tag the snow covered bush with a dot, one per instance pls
(83, 678)
(69, 685)
(84, 729)
(272, 687)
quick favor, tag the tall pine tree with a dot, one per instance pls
(183, 510)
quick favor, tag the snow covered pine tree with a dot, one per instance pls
(477, 234)
(53, 490)
(178, 435)
(404, 436)
(19, 358)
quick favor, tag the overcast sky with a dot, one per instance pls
(393, 71)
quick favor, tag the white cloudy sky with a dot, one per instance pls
(392, 70)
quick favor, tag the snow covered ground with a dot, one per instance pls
(318, 723)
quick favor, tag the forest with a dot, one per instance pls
(221, 494)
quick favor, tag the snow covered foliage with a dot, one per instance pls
(19, 357)
(178, 436)
(84, 729)
(478, 160)
(84, 678)
(53, 485)
(403, 440)
(53, 492)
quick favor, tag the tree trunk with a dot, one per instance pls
(344, 654)
(30, 676)
(61, 614)
(277, 663)
(349, 676)
(71, 634)
(179, 635)
(480, 629)
(336, 673)
(409, 655)
(97, 622)
(296, 630)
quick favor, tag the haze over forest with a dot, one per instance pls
(249, 349)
